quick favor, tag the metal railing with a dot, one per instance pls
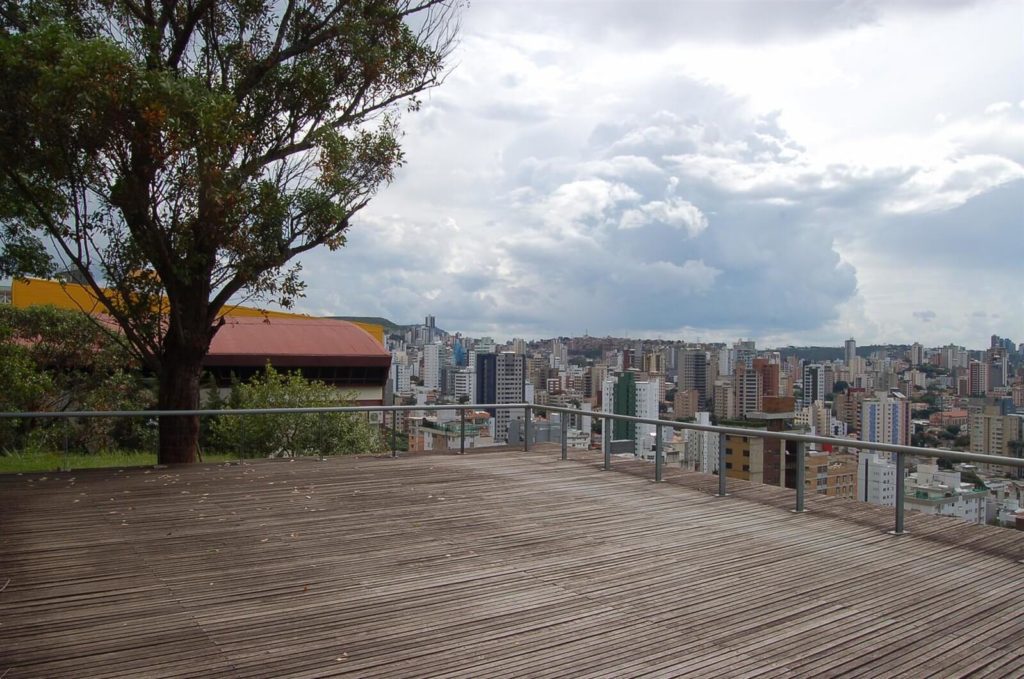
(801, 440)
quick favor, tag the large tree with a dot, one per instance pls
(181, 153)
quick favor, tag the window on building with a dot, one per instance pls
(746, 467)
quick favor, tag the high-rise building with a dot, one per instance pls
(813, 384)
(885, 418)
(465, 385)
(700, 451)
(647, 407)
(432, 367)
(725, 399)
(623, 396)
(744, 457)
(851, 351)
(559, 355)
(654, 362)
(686, 404)
(876, 479)
(510, 387)
(770, 377)
(745, 352)
(995, 429)
(487, 380)
(916, 354)
(430, 331)
(749, 390)
(693, 372)
(998, 367)
(977, 378)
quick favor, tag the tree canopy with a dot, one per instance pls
(181, 154)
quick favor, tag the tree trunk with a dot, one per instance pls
(179, 390)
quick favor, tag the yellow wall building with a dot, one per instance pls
(38, 292)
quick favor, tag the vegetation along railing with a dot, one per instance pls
(801, 440)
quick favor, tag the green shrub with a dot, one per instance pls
(292, 434)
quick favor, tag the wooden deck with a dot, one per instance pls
(499, 564)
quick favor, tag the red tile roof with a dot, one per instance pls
(294, 343)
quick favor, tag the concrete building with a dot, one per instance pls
(686, 404)
(744, 458)
(977, 378)
(647, 401)
(850, 351)
(934, 491)
(693, 373)
(433, 433)
(885, 418)
(842, 476)
(700, 448)
(749, 386)
(401, 378)
(626, 394)
(465, 385)
(813, 384)
(432, 365)
(995, 429)
(725, 399)
(876, 479)
(916, 354)
(510, 387)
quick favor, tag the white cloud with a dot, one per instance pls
(799, 144)
(953, 183)
(676, 213)
(584, 200)
(998, 107)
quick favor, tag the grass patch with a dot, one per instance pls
(27, 462)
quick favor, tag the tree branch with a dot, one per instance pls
(184, 35)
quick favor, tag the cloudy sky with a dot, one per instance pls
(795, 172)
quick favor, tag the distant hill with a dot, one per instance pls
(836, 353)
(390, 327)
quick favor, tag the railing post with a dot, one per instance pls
(606, 440)
(721, 466)
(241, 438)
(462, 431)
(320, 434)
(900, 492)
(801, 451)
(657, 454)
(526, 429)
(67, 465)
(394, 433)
(564, 419)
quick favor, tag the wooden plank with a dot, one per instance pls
(503, 564)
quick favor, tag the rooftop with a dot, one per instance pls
(498, 563)
(294, 342)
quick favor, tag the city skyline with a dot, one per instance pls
(797, 172)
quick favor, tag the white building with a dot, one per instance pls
(465, 385)
(432, 367)
(885, 418)
(813, 384)
(700, 448)
(647, 407)
(400, 374)
(934, 491)
(876, 479)
(510, 387)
